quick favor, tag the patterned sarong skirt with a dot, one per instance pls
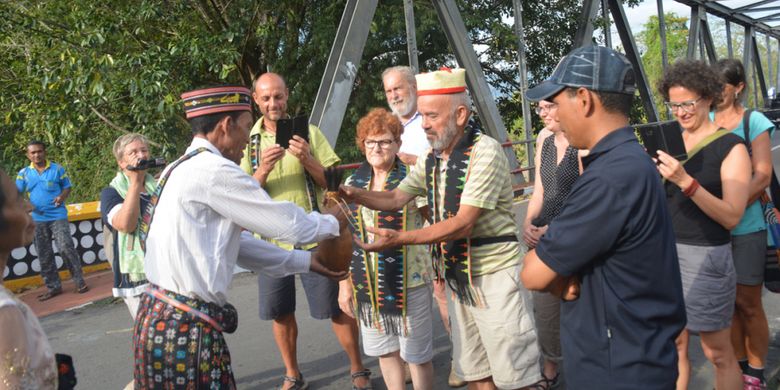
(175, 349)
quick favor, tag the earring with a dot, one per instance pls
(736, 95)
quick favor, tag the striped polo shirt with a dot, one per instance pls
(489, 187)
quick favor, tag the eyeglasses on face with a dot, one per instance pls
(382, 143)
(540, 109)
(688, 106)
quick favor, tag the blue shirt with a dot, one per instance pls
(753, 219)
(615, 233)
(42, 188)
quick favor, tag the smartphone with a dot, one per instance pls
(287, 128)
(666, 136)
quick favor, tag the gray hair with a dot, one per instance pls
(405, 71)
(121, 143)
(460, 99)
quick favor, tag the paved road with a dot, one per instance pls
(98, 336)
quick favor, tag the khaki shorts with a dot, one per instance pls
(497, 339)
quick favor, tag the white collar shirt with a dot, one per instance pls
(196, 239)
(413, 139)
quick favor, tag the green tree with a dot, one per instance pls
(649, 40)
(78, 74)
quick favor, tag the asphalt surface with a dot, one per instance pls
(99, 337)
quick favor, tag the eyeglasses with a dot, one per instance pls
(540, 109)
(383, 143)
(688, 106)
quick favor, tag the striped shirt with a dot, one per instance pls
(489, 187)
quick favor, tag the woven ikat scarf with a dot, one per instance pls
(452, 259)
(379, 290)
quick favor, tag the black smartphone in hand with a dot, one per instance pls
(287, 128)
(666, 136)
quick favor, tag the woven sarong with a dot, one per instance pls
(174, 349)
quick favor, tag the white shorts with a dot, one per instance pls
(497, 339)
(417, 346)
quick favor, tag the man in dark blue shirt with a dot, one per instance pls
(610, 253)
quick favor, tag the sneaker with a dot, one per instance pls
(49, 294)
(752, 383)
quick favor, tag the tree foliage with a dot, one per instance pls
(80, 73)
(676, 48)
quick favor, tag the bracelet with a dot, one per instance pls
(688, 192)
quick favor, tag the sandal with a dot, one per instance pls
(297, 383)
(546, 383)
(82, 289)
(362, 374)
(49, 295)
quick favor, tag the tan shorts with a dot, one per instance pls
(497, 339)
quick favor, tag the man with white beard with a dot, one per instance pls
(401, 93)
(465, 176)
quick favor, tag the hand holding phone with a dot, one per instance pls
(665, 136)
(287, 128)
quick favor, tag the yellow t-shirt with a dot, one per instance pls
(287, 181)
(489, 187)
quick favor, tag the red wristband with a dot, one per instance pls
(688, 192)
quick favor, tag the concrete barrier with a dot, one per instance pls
(22, 270)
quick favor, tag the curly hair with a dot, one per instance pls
(378, 121)
(695, 76)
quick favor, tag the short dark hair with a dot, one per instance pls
(36, 142)
(614, 102)
(695, 76)
(204, 124)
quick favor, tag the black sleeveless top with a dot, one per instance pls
(691, 225)
(557, 179)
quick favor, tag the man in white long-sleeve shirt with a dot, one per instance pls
(194, 238)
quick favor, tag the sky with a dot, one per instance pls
(638, 15)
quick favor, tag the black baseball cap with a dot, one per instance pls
(597, 68)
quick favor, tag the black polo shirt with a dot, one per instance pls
(615, 232)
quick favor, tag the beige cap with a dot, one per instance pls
(441, 82)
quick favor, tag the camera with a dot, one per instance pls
(148, 164)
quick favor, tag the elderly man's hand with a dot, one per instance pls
(383, 239)
(349, 193)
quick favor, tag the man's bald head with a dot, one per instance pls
(268, 78)
(270, 94)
